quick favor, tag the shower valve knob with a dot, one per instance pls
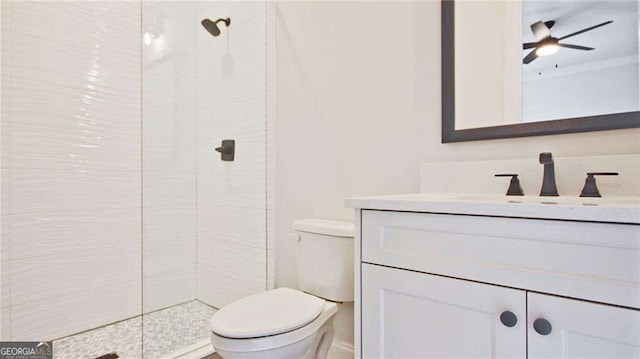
(227, 150)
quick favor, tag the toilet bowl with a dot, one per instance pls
(285, 323)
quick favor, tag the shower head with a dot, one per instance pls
(212, 26)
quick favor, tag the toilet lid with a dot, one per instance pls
(273, 312)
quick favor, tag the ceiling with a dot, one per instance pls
(613, 41)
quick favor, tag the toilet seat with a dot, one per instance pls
(270, 313)
(278, 340)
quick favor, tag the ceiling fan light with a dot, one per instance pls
(547, 50)
(548, 46)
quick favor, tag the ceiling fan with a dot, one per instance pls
(549, 45)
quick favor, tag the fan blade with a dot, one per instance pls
(577, 47)
(585, 30)
(540, 30)
(529, 45)
(530, 57)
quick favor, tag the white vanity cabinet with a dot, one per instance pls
(581, 329)
(407, 314)
(435, 285)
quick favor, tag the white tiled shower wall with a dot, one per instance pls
(71, 166)
(233, 103)
(205, 220)
(72, 135)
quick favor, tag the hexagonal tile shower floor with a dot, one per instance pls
(164, 331)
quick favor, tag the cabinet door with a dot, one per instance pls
(569, 328)
(408, 314)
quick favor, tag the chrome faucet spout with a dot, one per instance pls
(549, 177)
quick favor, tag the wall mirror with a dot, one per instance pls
(532, 67)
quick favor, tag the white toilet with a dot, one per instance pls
(286, 323)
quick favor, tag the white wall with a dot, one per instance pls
(5, 100)
(348, 100)
(358, 108)
(71, 166)
(488, 79)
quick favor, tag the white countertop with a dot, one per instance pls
(612, 210)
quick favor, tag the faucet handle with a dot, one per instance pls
(514, 185)
(590, 188)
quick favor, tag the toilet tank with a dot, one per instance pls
(324, 256)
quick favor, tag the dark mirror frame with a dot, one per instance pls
(552, 127)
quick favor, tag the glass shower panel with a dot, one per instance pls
(204, 219)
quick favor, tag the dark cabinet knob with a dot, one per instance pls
(542, 326)
(508, 319)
